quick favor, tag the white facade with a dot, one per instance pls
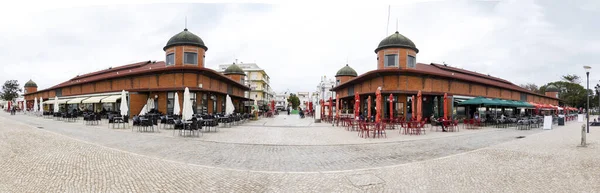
(281, 100)
(323, 88)
(304, 97)
(257, 79)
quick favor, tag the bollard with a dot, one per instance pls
(583, 142)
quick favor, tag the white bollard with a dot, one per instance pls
(583, 136)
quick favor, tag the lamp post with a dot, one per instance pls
(332, 122)
(587, 110)
(598, 94)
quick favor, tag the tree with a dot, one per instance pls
(531, 86)
(10, 90)
(294, 100)
(571, 93)
(572, 78)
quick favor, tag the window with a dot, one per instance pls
(190, 58)
(223, 105)
(193, 100)
(351, 90)
(229, 89)
(411, 61)
(337, 83)
(170, 59)
(391, 60)
(214, 99)
(58, 92)
(170, 102)
(203, 104)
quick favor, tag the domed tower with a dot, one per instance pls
(30, 86)
(344, 74)
(552, 91)
(236, 73)
(396, 51)
(185, 49)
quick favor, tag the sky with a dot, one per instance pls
(522, 41)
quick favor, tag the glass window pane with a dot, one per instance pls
(390, 60)
(190, 58)
(171, 59)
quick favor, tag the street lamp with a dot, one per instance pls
(598, 91)
(587, 110)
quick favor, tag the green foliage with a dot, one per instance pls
(10, 90)
(572, 78)
(294, 100)
(531, 86)
(571, 93)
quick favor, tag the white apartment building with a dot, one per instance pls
(257, 79)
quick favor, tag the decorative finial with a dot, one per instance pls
(185, 23)
(396, 25)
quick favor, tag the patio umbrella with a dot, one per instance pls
(419, 106)
(322, 108)
(123, 107)
(41, 106)
(25, 105)
(369, 108)
(446, 106)
(378, 104)
(187, 112)
(356, 105)
(176, 108)
(35, 105)
(310, 106)
(150, 104)
(330, 107)
(337, 105)
(144, 110)
(55, 104)
(229, 108)
(414, 108)
(391, 99)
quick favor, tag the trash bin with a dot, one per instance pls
(561, 121)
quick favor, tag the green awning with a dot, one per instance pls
(481, 101)
(524, 104)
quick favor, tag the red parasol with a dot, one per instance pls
(310, 107)
(378, 104)
(446, 106)
(322, 108)
(369, 108)
(419, 104)
(391, 99)
(356, 105)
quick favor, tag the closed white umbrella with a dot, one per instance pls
(24, 105)
(41, 106)
(56, 104)
(176, 108)
(149, 105)
(35, 105)
(188, 112)
(229, 108)
(144, 110)
(123, 107)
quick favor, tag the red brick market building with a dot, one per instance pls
(398, 73)
(184, 67)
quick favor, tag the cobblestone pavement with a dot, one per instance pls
(35, 160)
(287, 158)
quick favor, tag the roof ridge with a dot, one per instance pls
(112, 69)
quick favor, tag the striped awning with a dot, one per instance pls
(76, 100)
(111, 99)
(95, 99)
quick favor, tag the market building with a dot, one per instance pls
(184, 66)
(398, 74)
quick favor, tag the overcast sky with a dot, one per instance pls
(521, 41)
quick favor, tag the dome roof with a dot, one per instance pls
(346, 71)
(185, 38)
(30, 83)
(396, 40)
(234, 69)
(551, 88)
